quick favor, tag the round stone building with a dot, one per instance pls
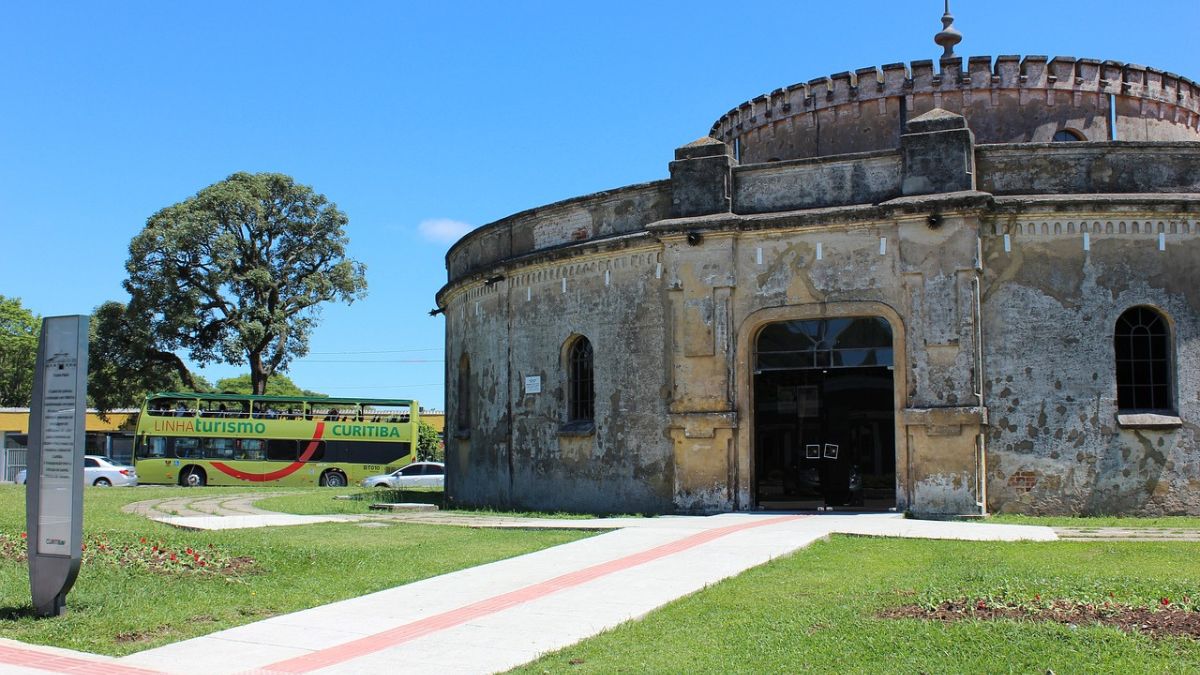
(942, 287)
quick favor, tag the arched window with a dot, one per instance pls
(1067, 136)
(581, 394)
(1141, 344)
(463, 414)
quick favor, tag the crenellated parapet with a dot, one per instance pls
(1007, 99)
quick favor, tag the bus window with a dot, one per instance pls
(318, 454)
(379, 413)
(251, 448)
(155, 446)
(161, 407)
(184, 408)
(368, 452)
(187, 448)
(218, 448)
(219, 409)
(282, 451)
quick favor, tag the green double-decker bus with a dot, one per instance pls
(229, 439)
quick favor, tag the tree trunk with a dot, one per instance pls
(258, 375)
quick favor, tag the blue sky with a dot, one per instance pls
(420, 119)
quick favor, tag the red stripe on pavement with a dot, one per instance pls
(57, 663)
(455, 617)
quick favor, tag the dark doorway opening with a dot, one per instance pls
(824, 415)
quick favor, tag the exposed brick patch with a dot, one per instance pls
(1023, 481)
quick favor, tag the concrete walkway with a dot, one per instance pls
(500, 615)
(223, 512)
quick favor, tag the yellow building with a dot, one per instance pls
(435, 419)
(110, 435)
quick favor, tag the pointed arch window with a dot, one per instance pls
(581, 393)
(1142, 347)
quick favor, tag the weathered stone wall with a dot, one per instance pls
(520, 452)
(817, 183)
(478, 459)
(1008, 100)
(1050, 308)
(598, 215)
(1084, 168)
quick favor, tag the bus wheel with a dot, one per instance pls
(333, 479)
(193, 476)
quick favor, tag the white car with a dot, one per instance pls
(99, 471)
(417, 474)
(103, 472)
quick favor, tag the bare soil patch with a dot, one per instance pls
(1166, 620)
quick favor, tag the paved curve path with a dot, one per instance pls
(223, 512)
(231, 511)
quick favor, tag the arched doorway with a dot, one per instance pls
(824, 414)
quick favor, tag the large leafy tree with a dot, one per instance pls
(124, 364)
(238, 272)
(19, 330)
(279, 385)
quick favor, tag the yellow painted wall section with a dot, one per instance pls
(437, 420)
(17, 421)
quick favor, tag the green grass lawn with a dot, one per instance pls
(815, 611)
(1162, 522)
(126, 599)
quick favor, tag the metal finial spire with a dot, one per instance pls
(949, 36)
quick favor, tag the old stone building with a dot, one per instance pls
(937, 287)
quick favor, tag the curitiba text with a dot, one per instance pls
(365, 431)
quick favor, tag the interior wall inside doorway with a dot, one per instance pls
(825, 437)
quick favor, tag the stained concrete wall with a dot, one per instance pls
(1050, 308)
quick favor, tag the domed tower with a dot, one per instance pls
(894, 288)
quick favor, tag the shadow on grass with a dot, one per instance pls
(17, 613)
(396, 496)
(438, 499)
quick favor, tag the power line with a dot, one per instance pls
(391, 386)
(383, 351)
(303, 360)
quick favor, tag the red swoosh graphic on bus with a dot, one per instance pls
(276, 475)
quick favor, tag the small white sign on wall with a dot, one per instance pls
(533, 384)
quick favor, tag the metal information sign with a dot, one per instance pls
(54, 494)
